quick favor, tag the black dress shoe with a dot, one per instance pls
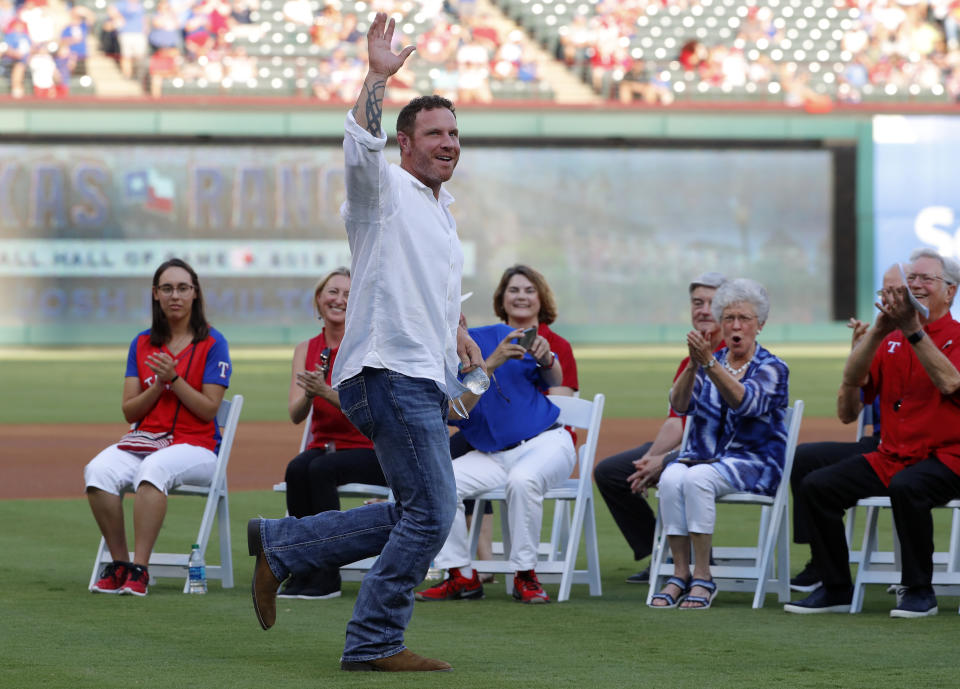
(642, 577)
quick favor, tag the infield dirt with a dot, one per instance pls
(46, 461)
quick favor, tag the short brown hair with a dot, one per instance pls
(548, 305)
(408, 115)
(342, 270)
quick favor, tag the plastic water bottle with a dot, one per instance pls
(434, 573)
(476, 381)
(198, 571)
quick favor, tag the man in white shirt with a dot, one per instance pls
(395, 372)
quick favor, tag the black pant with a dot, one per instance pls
(313, 477)
(810, 457)
(913, 492)
(630, 510)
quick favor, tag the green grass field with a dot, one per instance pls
(84, 385)
(54, 634)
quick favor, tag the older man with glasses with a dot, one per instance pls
(911, 362)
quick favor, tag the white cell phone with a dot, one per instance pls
(921, 309)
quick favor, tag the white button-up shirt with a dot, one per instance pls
(404, 305)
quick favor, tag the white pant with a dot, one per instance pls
(687, 496)
(527, 471)
(116, 471)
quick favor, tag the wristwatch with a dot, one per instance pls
(713, 362)
(915, 337)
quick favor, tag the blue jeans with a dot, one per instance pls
(406, 420)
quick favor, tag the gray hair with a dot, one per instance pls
(951, 268)
(741, 290)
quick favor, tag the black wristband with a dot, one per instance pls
(174, 379)
(915, 337)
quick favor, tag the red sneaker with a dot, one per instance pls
(112, 577)
(137, 579)
(527, 589)
(454, 587)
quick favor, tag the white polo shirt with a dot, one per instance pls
(404, 304)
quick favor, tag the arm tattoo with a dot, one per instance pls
(372, 107)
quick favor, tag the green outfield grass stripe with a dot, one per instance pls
(285, 353)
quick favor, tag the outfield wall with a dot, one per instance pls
(84, 214)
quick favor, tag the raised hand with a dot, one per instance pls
(383, 61)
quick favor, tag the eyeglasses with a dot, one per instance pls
(924, 279)
(181, 290)
(730, 320)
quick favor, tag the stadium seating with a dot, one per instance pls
(808, 53)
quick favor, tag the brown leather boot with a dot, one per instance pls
(264, 585)
(404, 661)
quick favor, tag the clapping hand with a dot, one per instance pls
(699, 348)
(896, 311)
(163, 365)
(859, 330)
(313, 383)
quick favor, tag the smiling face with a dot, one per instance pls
(332, 300)
(701, 298)
(740, 325)
(926, 281)
(431, 152)
(175, 293)
(521, 301)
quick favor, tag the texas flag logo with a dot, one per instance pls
(151, 189)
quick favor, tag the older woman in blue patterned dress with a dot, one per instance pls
(736, 402)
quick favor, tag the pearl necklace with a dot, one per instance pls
(736, 371)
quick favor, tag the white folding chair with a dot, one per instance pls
(173, 565)
(864, 419)
(876, 570)
(355, 570)
(756, 568)
(560, 559)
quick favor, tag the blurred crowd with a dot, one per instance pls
(893, 47)
(900, 48)
(295, 46)
(45, 43)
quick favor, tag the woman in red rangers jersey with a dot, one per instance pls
(337, 453)
(177, 373)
